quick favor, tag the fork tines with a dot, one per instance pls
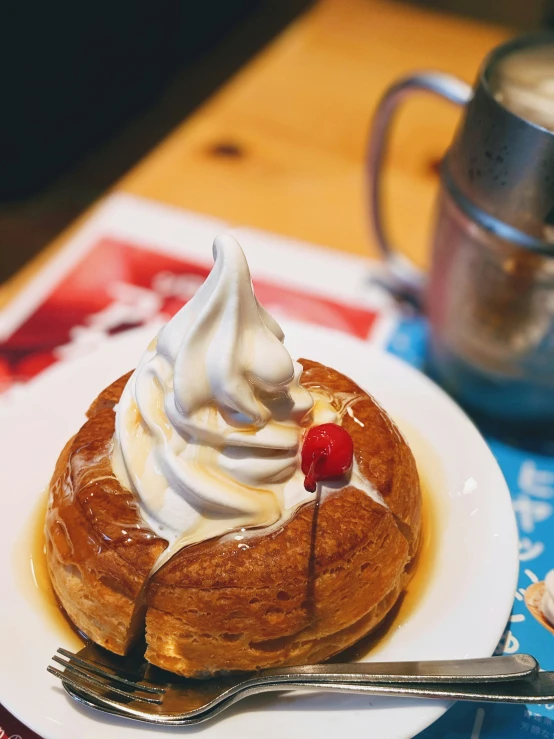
(84, 674)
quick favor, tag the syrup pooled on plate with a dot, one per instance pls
(30, 561)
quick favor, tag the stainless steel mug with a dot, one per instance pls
(490, 292)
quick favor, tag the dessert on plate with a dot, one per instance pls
(539, 599)
(240, 509)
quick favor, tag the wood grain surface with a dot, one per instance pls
(281, 145)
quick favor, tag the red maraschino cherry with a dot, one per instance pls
(327, 452)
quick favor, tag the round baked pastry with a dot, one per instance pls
(296, 590)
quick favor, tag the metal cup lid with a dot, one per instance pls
(500, 167)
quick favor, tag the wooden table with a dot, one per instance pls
(281, 146)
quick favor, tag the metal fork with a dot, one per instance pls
(136, 690)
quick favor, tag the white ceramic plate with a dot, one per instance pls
(461, 613)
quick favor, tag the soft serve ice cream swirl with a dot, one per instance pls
(209, 425)
(547, 604)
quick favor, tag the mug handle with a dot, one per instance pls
(404, 277)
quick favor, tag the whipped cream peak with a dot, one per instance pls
(547, 604)
(229, 344)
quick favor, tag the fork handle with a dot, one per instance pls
(539, 689)
(489, 669)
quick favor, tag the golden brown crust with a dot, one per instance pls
(285, 598)
(384, 457)
(109, 397)
(299, 593)
(99, 553)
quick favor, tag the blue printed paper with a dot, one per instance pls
(530, 478)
